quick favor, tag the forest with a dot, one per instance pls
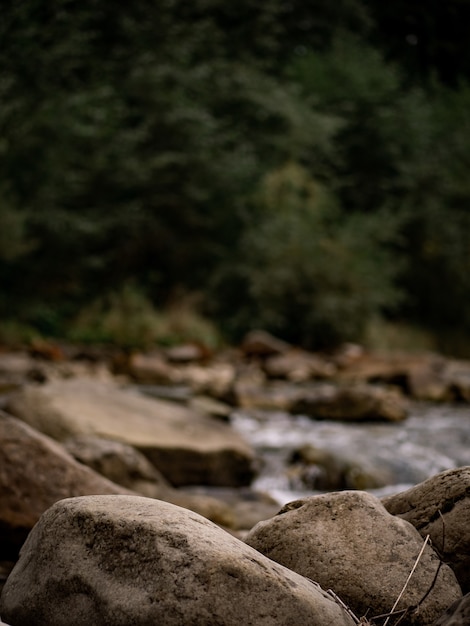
(301, 167)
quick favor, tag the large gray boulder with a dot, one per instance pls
(120, 560)
(185, 445)
(348, 542)
(440, 507)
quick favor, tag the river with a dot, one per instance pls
(432, 439)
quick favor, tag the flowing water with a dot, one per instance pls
(432, 439)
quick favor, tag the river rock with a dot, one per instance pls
(16, 368)
(319, 469)
(185, 445)
(126, 466)
(148, 368)
(299, 366)
(348, 542)
(129, 560)
(119, 462)
(440, 507)
(457, 376)
(360, 402)
(35, 472)
(458, 614)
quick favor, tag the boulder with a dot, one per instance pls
(121, 560)
(440, 507)
(126, 466)
(319, 469)
(348, 542)
(458, 614)
(35, 472)
(185, 445)
(119, 462)
(361, 402)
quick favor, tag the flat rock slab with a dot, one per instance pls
(348, 542)
(440, 507)
(120, 560)
(185, 445)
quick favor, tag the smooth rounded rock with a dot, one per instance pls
(348, 542)
(121, 560)
(440, 507)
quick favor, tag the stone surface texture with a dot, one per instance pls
(121, 560)
(440, 507)
(185, 445)
(347, 542)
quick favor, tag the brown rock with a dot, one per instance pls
(35, 472)
(129, 560)
(186, 446)
(359, 402)
(458, 614)
(260, 343)
(299, 366)
(151, 368)
(440, 507)
(118, 462)
(347, 542)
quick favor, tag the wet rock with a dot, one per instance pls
(326, 470)
(130, 560)
(35, 472)
(348, 542)
(458, 614)
(351, 403)
(186, 446)
(440, 507)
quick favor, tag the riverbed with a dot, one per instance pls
(432, 439)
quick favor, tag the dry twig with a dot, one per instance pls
(407, 580)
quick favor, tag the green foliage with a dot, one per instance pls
(352, 82)
(312, 273)
(436, 199)
(265, 150)
(128, 319)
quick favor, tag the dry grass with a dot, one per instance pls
(394, 612)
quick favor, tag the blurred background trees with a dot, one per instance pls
(297, 166)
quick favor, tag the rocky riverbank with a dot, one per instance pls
(86, 431)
